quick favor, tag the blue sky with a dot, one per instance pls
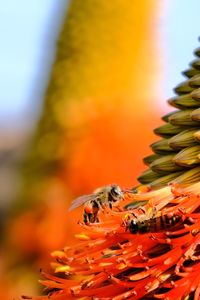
(180, 31)
(28, 36)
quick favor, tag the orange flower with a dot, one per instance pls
(151, 250)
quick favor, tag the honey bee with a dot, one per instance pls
(106, 196)
(154, 224)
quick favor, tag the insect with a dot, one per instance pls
(106, 196)
(154, 224)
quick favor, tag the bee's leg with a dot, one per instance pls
(118, 208)
(87, 218)
(110, 204)
(97, 205)
(149, 209)
(154, 211)
(96, 219)
(95, 209)
(126, 222)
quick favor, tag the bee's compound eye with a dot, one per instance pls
(116, 191)
(133, 226)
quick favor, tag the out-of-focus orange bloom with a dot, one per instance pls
(115, 260)
(106, 136)
(4, 289)
(45, 227)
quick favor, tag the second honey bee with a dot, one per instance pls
(106, 196)
(154, 224)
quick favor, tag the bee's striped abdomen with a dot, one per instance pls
(162, 222)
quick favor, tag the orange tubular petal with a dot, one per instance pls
(197, 293)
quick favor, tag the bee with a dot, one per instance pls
(154, 224)
(106, 196)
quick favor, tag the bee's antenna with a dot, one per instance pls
(132, 191)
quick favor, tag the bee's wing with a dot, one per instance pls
(80, 201)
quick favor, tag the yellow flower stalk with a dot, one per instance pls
(94, 86)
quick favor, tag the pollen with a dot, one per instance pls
(62, 269)
(82, 237)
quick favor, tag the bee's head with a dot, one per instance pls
(133, 226)
(116, 193)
